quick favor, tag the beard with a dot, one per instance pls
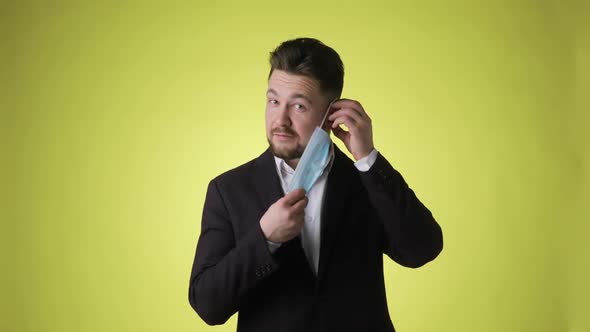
(285, 152)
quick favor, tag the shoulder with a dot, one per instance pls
(236, 173)
(246, 171)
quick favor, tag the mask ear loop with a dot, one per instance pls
(327, 112)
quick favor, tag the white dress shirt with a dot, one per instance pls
(310, 234)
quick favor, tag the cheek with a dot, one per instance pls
(267, 120)
(305, 130)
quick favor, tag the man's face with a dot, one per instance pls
(294, 107)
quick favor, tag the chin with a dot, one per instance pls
(285, 152)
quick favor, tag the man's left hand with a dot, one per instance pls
(359, 137)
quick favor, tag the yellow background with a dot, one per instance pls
(114, 117)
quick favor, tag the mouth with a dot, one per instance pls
(282, 136)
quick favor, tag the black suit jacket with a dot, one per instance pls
(365, 215)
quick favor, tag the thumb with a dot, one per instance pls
(293, 197)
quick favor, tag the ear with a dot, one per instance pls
(329, 110)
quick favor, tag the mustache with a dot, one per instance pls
(284, 130)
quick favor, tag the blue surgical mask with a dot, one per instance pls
(315, 158)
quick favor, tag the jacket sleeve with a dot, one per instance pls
(411, 236)
(224, 269)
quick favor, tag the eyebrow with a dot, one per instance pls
(293, 96)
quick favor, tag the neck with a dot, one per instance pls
(292, 162)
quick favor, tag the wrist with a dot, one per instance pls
(364, 153)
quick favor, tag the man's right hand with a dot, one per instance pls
(284, 219)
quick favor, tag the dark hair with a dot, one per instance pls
(312, 58)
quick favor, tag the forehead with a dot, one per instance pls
(287, 84)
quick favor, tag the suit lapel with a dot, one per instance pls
(266, 180)
(338, 189)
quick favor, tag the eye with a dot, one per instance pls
(299, 107)
(273, 101)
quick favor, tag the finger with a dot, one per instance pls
(294, 196)
(354, 114)
(349, 103)
(342, 134)
(347, 121)
(299, 207)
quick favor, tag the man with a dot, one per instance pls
(297, 261)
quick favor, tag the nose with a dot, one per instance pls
(283, 118)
